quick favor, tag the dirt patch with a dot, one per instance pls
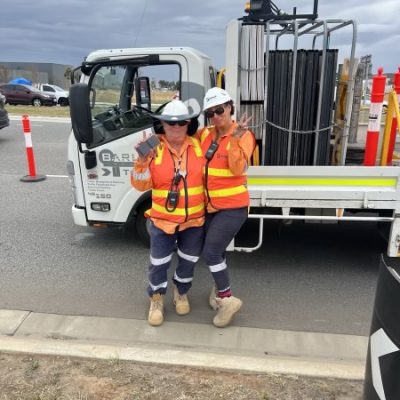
(28, 377)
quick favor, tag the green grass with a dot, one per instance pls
(43, 111)
(57, 111)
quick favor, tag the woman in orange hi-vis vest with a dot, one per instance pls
(174, 172)
(227, 147)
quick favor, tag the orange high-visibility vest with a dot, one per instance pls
(191, 200)
(223, 189)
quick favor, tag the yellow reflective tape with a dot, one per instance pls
(204, 134)
(197, 148)
(178, 211)
(227, 192)
(159, 156)
(219, 172)
(323, 181)
(191, 191)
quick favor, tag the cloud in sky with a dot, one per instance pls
(66, 31)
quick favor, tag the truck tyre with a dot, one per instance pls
(36, 102)
(143, 224)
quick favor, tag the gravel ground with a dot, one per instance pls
(28, 377)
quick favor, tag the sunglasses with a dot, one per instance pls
(180, 123)
(210, 113)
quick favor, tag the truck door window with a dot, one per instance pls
(114, 112)
(112, 117)
(164, 83)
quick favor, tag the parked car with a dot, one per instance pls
(25, 94)
(62, 95)
(4, 121)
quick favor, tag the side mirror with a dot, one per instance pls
(142, 90)
(79, 107)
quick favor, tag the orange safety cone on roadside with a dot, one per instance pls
(32, 177)
(375, 116)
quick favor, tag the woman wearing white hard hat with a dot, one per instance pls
(227, 146)
(174, 172)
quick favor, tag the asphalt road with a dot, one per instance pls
(306, 277)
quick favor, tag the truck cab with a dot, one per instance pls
(119, 90)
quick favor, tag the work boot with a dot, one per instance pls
(227, 308)
(212, 300)
(181, 301)
(156, 312)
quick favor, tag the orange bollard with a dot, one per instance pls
(32, 177)
(375, 116)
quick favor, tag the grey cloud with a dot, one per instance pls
(66, 31)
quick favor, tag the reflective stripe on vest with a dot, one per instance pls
(220, 172)
(191, 202)
(191, 191)
(177, 211)
(225, 190)
(160, 151)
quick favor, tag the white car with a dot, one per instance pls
(61, 94)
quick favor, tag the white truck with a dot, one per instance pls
(62, 95)
(110, 111)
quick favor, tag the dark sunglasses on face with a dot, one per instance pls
(210, 113)
(180, 123)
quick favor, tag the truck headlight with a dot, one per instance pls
(104, 207)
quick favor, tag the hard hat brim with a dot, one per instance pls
(171, 118)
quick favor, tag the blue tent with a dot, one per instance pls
(21, 81)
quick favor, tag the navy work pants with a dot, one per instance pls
(187, 243)
(221, 227)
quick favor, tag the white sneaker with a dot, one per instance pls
(227, 308)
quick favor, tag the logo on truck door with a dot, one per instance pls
(115, 164)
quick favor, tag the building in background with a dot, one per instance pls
(56, 74)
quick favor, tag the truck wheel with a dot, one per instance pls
(36, 102)
(143, 224)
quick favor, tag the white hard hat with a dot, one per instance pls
(175, 110)
(214, 97)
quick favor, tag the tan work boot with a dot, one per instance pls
(156, 312)
(227, 308)
(181, 301)
(212, 300)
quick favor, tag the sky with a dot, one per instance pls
(65, 31)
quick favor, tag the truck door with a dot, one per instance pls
(119, 123)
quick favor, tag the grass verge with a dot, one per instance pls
(55, 111)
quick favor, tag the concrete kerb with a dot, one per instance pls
(197, 345)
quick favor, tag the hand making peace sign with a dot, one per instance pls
(242, 126)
